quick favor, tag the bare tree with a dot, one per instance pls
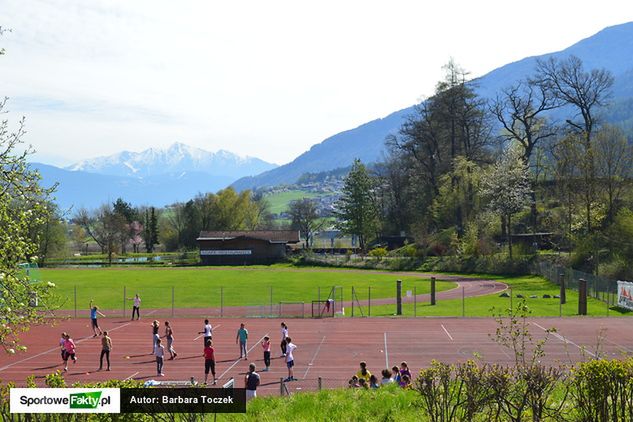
(585, 91)
(520, 109)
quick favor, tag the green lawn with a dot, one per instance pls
(482, 305)
(201, 286)
(279, 201)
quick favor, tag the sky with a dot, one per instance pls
(267, 79)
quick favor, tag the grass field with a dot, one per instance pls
(279, 201)
(523, 285)
(200, 287)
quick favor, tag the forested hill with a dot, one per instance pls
(611, 48)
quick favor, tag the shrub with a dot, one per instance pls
(603, 390)
(378, 253)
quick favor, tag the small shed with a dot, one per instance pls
(245, 247)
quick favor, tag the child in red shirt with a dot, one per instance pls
(209, 361)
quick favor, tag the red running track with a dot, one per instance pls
(327, 348)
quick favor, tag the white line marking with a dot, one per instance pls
(56, 348)
(314, 357)
(386, 352)
(446, 331)
(131, 376)
(238, 360)
(152, 312)
(564, 340)
(214, 328)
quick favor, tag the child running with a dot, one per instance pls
(155, 335)
(290, 360)
(207, 331)
(266, 347)
(69, 347)
(284, 334)
(209, 361)
(242, 337)
(169, 335)
(94, 313)
(61, 346)
(159, 352)
(106, 346)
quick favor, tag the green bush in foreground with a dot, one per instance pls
(596, 390)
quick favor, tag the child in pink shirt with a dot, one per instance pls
(69, 347)
(266, 347)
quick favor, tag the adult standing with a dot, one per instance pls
(94, 313)
(159, 352)
(284, 334)
(209, 361)
(136, 306)
(155, 335)
(169, 335)
(290, 359)
(106, 347)
(207, 331)
(251, 382)
(242, 337)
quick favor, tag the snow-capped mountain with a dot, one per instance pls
(178, 159)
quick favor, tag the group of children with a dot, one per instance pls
(241, 338)
(158, 350)
(68, 347)
(364, 379)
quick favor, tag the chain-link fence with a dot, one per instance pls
(600, 288)
(469, 298)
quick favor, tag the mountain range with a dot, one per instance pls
(175, 160)
(611, 49)
(159, 177)
(152, 177)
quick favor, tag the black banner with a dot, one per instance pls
(183, 400)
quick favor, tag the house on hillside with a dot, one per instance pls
(246, 247)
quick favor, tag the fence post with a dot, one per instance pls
(369, 301)
(320, 383)
(221, 301)
(281, 386)
(124, 295)
(271, 301)
(318, 294)
(173, 300)
(432, 290)
(582, 296)
(75, 289)
(463, 302)
(511, 307)
(353, 296)
(563, 295)
(415, 301)
(398, 297)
